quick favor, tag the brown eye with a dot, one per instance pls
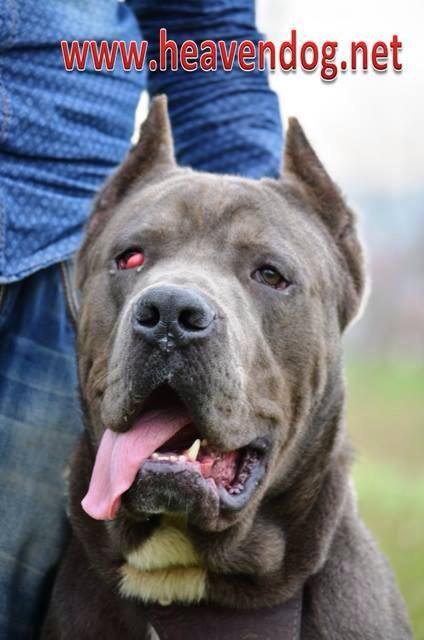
(271, 277)
(130, 259)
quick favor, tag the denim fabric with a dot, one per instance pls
(39, 423)
(223, 122)
(62, 133)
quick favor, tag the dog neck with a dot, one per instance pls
(211, 621)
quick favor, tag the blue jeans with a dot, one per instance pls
(40, 420)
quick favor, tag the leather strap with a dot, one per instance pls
(210, 622)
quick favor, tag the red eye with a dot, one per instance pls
(130, 259)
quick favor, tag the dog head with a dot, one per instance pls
(212, 309)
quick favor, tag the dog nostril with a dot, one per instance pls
(194, 319)
(148, 315)
(171, 316)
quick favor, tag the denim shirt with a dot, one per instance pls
(62, 133)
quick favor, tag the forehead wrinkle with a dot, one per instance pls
(246, 227)
(244, 210)
(252, 215)
(213, 199)
(187, 208)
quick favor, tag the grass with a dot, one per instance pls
(386, 421)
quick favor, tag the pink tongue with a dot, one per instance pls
(120, 455)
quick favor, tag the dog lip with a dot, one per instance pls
(169, 463)
(261, 444)
(162, 485)
(168, 466)
(236, 502)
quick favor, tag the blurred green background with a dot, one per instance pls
(367, 128)
(386, 422)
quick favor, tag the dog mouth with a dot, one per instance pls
(163, 463)
(228, 470)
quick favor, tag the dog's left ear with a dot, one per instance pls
(310, 181)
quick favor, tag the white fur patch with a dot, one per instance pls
(164, 586)
(165, 569)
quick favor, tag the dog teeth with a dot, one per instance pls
(164, 456)
(190, 454)
(193, 452)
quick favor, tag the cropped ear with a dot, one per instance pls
(153, 152)
(151, 156)
(302, 162)
(310, 181)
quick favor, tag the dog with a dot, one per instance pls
(210, 495)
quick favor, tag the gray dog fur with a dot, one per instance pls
(273, 368)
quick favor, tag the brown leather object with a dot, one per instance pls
(208, 622)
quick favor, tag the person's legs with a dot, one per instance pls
(39, 423)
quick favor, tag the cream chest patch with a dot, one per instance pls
(165, 569)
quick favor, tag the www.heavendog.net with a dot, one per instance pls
(210, 55)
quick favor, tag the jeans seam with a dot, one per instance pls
(70, 291)
(11, 21)
(297, 617)
(2, 295)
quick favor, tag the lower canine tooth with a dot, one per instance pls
(193, 452)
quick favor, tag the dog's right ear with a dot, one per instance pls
(153, 153)
(150, 158)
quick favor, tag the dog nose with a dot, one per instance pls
(172, 316)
